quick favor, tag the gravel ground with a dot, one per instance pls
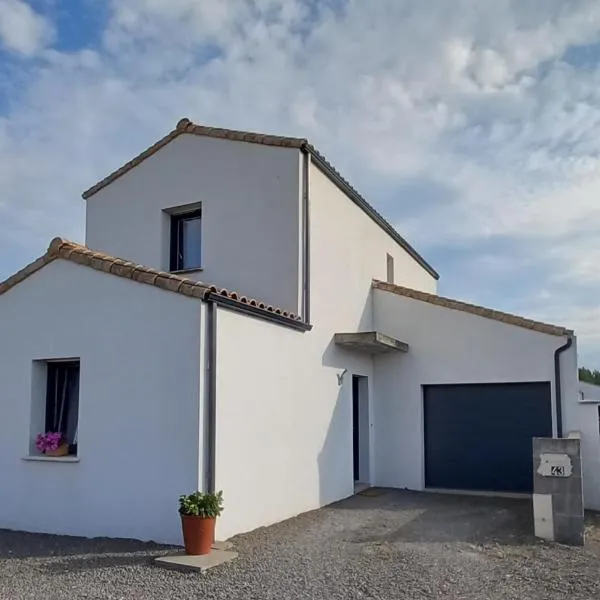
(395, 545)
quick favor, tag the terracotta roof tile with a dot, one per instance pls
(185, 126)
(473, 309)
(63, 249)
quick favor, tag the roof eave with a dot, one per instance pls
(334, 175)
(70, 251)
(475, 310)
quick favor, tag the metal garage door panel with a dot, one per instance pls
(478, 437)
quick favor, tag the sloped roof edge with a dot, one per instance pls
(186, 126)
(60, 248)
(474, 309)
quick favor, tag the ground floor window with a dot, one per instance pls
(61, 410)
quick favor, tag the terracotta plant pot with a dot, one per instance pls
(198, 534)
(62, 450)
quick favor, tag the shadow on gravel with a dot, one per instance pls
(419, 517)
(19, 544)
(98, 561)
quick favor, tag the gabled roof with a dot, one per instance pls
(185, 126)
(473, 309)
(66, 250)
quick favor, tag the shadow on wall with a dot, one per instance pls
(335, 460)
(335, 457)
(341, 359)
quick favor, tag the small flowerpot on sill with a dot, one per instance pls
(62, 450)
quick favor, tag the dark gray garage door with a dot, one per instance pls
(478, 437)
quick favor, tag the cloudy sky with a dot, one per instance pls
(473, 126)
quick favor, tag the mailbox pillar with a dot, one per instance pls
(558, 490)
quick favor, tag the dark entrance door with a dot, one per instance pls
(478, 436)
(355, 426)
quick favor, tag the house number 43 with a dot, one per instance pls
(555, 465)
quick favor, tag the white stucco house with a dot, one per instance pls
(240, 318)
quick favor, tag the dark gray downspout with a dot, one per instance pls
(210, 427)
(557, 385)
(305, 238)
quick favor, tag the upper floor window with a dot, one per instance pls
(390, 268)
(186, 241)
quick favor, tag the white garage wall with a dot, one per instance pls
(447, 346)
(583, 418)
(139, 404)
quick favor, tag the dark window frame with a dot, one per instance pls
(58, 374)
(177, 258)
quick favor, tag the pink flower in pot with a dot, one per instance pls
(52, 443)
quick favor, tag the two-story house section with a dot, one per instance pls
(241, 319)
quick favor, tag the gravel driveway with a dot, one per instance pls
(393, 545)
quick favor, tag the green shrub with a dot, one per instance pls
(198, 504)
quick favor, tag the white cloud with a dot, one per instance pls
(22, 29)
(475, 96)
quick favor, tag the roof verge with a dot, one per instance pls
(480, 311)
(185, 126)
(60, 248)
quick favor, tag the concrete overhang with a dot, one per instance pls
(369, 342)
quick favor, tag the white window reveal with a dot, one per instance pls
(55, 408)
(390, 268)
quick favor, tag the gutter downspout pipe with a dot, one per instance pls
(210, 427)
(305, 305)
(557, 385)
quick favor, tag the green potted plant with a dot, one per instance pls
(199, 512)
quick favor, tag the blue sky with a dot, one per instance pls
(473, 126)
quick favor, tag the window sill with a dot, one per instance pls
(183, 271)
(62, 459)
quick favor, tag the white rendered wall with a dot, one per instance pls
(284, 424)
(267, 439)
(138, 440)
(586, 420)
(250, 210)
(352, 245)
(448, 347)
(590, 452)
(284, 433)
(589, 392)
(348, 250)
